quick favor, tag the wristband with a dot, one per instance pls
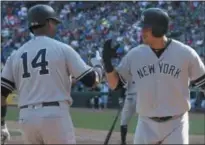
(108, 67)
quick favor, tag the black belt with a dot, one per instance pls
(43, 104)
(161, 119)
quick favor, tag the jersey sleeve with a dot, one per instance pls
(76, 66)
(7, 79)
(123, 69)
(196, 70)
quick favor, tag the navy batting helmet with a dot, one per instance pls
(39, 14)
(156, 19)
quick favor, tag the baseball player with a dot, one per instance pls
(41, 71)
(129, 109)
(162, 69)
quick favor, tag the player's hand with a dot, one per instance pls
(5, 135)
(121, 101)
(109, 50)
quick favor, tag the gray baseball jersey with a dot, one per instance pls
(162, 84)
(42, 70)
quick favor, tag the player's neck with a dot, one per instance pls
(159, 43)
(42, 33)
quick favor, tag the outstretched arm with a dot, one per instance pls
(89, 76)
(7, 86)
(115, 77)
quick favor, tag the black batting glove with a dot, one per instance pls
(108, 53)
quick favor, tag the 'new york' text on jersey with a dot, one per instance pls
(162, 84)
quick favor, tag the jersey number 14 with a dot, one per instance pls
(42, 63)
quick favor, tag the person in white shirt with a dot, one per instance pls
(41, 71)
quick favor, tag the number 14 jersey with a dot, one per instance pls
(41, 71)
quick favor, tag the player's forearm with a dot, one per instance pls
(4, 94)
(113, 79)
(111, 75)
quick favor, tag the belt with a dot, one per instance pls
(44, 104)
(161, 119)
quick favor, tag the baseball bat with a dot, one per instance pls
(113, 126)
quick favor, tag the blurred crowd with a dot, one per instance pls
(85, 25)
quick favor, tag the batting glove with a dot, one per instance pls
(5, 135)
(109, 52)
(121, 101)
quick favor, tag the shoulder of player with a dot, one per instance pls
(56, 42)
(183, 47)
(12, 55)
(60, 45)
(20, 49)
(67, 48)
(179, 45)
(137, 49)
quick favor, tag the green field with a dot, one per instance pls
(84, 118)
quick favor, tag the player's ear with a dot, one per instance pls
(49, 24)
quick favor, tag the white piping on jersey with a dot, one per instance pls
(121, 78)
(7, 85)
(199, 82)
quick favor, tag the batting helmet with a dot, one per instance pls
(39, 14)
(156, 19)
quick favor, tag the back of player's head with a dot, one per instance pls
(39, 15)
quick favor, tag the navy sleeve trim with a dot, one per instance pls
(199, 82)
(5, 92)
(122, 79)
(7, 84)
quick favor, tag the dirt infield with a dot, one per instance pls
(87, 136)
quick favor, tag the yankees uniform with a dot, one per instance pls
(128, 110)
(162, 86)
(41, 71)
(162, 69)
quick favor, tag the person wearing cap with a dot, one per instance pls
(162, 69)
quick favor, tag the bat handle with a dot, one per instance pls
(112, 127)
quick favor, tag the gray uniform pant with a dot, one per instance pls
(128, 110)
(174, 131)
(47, 125)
